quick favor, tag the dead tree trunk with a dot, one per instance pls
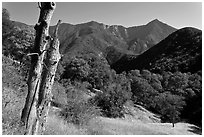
(29, 113)
(45, 96)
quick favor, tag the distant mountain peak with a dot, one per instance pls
(155, 21)
(90, 23)
(93, 22)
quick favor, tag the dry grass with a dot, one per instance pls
(109, 126)
(179, 129)
(57, 126)
(139, 113)
(118, 126)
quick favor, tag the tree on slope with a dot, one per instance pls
(169, 106)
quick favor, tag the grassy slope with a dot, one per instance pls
(108, 126)
(124, 127)
(118, 126)
(13, 97)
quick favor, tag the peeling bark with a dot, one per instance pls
(45, 96)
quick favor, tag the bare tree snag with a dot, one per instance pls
(45, 96)
(29, 113)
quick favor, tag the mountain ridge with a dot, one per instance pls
(111, 41)
(121, 40)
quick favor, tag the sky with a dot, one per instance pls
(176, 14)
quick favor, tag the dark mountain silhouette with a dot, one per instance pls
(180, 51)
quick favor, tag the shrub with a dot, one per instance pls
(78, 110)
(112, 100)
(78, 68)
(143, 92)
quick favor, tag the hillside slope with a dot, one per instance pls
(13, 96)
(107, 126)
(180, 51)
(118, 126)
